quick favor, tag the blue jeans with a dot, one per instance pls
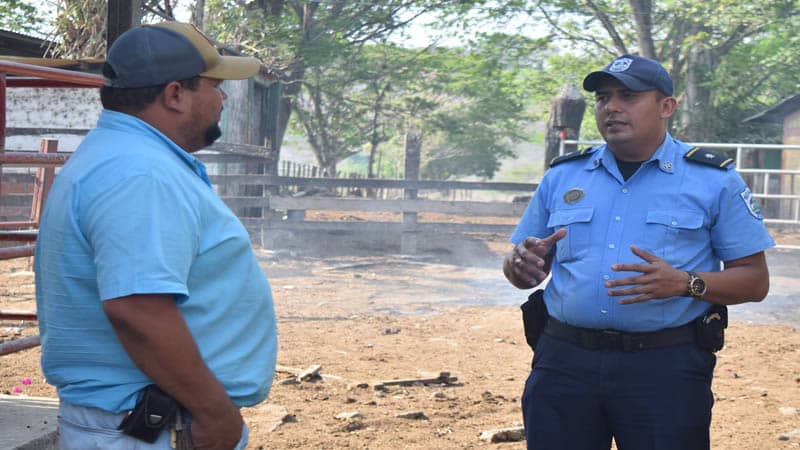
(657, 399)
(83, 428)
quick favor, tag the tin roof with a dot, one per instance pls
(777, 113)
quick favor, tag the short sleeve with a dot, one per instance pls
(534, 219)
(739, 229)
(144, 238)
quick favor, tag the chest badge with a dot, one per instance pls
(573, 196)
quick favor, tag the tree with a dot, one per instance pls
(469, 103)
(701, 43)
(294, 37)
(80, 25)
(483, 96)
(18, 16)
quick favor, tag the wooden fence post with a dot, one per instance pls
(408, 242)
(566, 115)
(43, 181)
(267, 214)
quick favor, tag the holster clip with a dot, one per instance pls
(154, 411)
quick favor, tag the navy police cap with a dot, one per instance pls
(635, 72)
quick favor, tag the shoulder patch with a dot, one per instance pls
(708, 158)
(572, 155)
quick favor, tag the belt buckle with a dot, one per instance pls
(611, 339)
(632, 342)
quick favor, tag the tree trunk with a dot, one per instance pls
(642, 15)
(566, 115)
(697, 97)
(199, 13)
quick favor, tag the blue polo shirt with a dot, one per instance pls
(692, 215)
(133, 213)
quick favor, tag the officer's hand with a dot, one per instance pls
(527, 262)
(657, 280)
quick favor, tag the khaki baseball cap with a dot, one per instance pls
(152, 55)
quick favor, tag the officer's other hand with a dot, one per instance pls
(657, 280)
(217, 433)
(528, 259)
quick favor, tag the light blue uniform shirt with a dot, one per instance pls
(133, 213)
(691, 214)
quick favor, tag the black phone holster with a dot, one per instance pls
(154, 410)
(534, 317)
(710, 328)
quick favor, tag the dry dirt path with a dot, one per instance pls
(367, 318)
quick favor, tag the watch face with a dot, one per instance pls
(698, 286)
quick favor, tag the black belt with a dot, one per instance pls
(593, 339)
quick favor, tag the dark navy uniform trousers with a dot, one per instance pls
(656, 399)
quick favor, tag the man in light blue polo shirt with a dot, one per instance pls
(143, 275)
(646, 240)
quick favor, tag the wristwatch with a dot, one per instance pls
(697, 286)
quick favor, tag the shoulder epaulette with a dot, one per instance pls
(709, 158)
(571, 155)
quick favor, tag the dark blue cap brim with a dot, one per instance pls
(593, 79)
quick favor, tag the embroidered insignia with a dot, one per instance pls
(573, 195)
(751, 204)
(620, 65)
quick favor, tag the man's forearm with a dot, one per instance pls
(155, 336)
(742, 280)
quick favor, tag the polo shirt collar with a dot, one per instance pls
(132, 124)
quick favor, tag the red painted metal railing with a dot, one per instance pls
(27, 75)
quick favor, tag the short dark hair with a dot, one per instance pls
(134, 100)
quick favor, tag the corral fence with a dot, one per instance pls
(278, 205)
(294, 169)
(24, 229)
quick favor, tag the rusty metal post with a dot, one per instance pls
(19, 344)
(44, 179)
(2, 123)
(19, 251)
(2, 112)
(17, 315)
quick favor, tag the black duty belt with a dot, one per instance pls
(593, 339)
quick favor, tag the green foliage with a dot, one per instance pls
(483, 107)
(745, 55)
(19, 16)
(80, 29)
(349, 88)
(351, 91)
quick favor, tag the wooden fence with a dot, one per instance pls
(268, 208)
(274, 203)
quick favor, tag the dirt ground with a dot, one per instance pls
(366, 319)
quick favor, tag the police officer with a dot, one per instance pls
(646, 240)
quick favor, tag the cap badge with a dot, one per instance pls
(620, 65)
(573, 195)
